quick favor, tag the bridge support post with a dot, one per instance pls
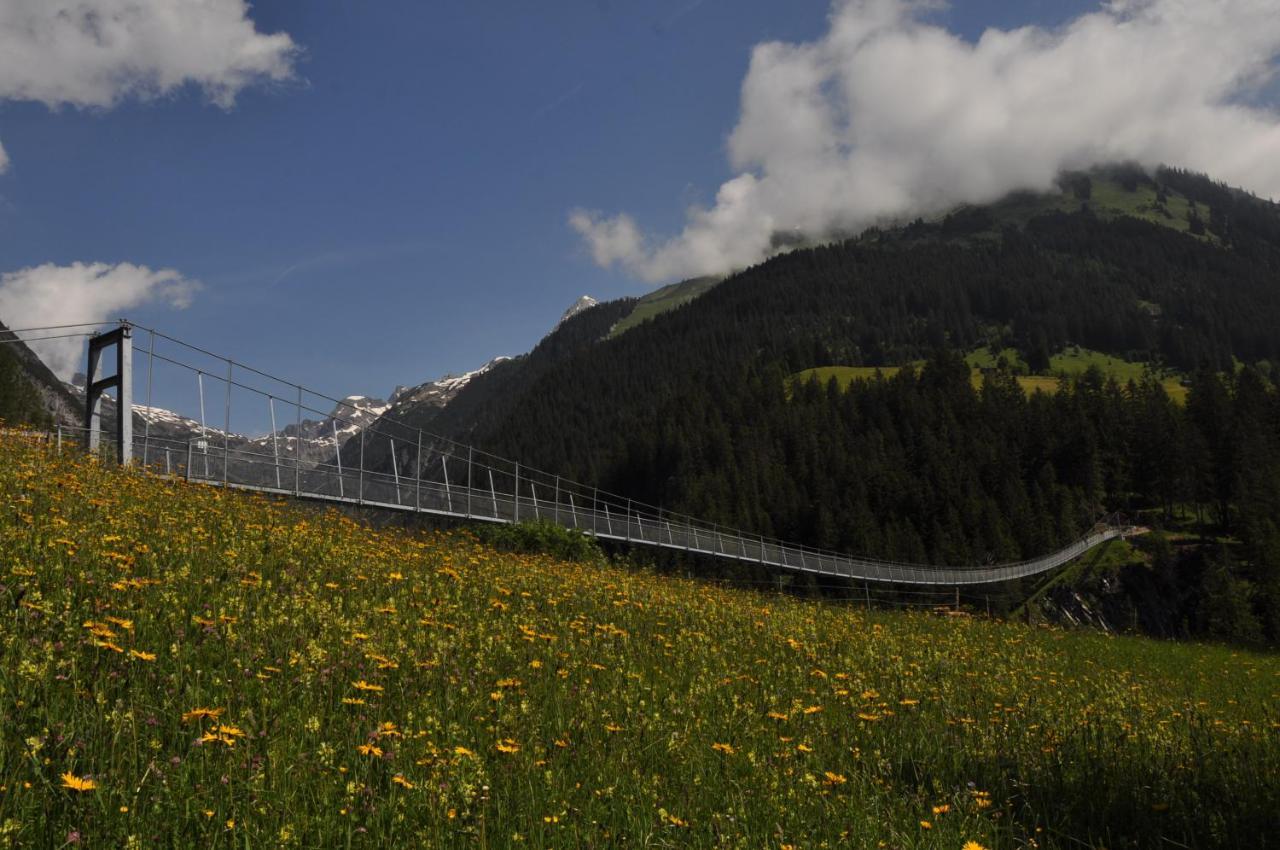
(360, 476)
(417, 476)
(226, 433)
(337, 453)
(275, 446)
(297, 450)
(122, 381)
(395, 468)
(448, 493)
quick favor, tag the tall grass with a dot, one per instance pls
(181, 666)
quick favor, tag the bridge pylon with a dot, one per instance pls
(121, 381)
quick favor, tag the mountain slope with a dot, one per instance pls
(692, 410)
(29, 392)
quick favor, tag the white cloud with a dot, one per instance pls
(889, 115)
(46, 295)
(4, 160)
(95, 53)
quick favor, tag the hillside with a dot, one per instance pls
(188, 667)
(694, 409)
(1062, 367)
(29, 393)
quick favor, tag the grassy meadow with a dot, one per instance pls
(1067, 363)
(183, 666)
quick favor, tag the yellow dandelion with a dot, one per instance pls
(813, 709)
(369, 750)
(506, 745)
(201, 713)
(776, 715)
(76, 783)
(401, 781)
(972, 845)
(727, 749)
(142, 656)
(362, 685)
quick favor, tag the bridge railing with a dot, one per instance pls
(388, 463)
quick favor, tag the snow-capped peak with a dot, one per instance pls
(586, 302)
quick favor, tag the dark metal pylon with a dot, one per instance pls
(121, 381)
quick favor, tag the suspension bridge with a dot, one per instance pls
(423, 473)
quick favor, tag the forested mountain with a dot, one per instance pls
(693, 409)
(30, 394)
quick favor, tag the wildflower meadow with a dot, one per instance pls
(186, 666)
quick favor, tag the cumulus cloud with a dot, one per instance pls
(46, 295)
(890, 115)
(96, 52)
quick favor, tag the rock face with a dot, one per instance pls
(586, 302)
(440, 392)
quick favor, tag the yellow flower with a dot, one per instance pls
(142, 656)
(462, 751)
(201, 713)
(727, 749)
(972, 845)
(369, 750)
(75, 783)
(776, 715)
(804, 748)
(401, 781)
(506, 745)
(942, 809)
(813, 709)
(835, 778)
(924, 824)
(870, 718)
(362, 685)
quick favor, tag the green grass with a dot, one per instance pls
(378, 688)
(1070, 362)
(1108, 200)
(844, 375)
(661, 300)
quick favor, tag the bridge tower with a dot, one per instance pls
(122, 381)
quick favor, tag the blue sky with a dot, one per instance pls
(398, 210)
